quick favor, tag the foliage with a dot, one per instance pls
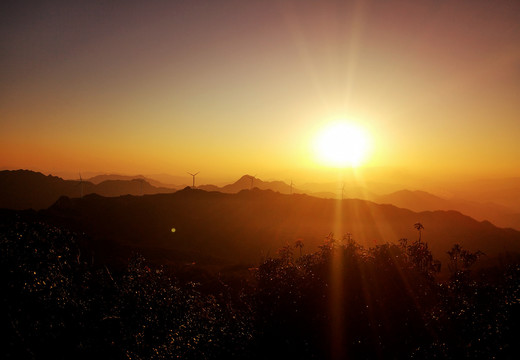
(476, 319)
(461, 260)
(375, 293)
(341, 301)
(420, 257)
(59, 306)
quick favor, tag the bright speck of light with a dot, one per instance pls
(341, 144)
(173, 230)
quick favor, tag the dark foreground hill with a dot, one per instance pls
(25, 189)
(250, 225)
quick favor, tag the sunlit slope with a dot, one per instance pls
(252, 224)
(422, 201)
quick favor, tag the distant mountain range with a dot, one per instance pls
(195, 224)
(414, 200)
(235, 223)
(101, 178)
(248, 182)
(422, 201)
(24, 189)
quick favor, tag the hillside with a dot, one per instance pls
(253, 224)
(25, 189)
(325, 190)
(248, 182)
(499, 215)
(101, 178)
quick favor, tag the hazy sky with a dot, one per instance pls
(234, 87)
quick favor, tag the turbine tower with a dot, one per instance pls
(193, 175)
(81, 185)
(291, 189)
(343, 191)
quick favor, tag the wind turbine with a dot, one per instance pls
(81, 184)
(291, 189)
(193, 175)
(342, 191)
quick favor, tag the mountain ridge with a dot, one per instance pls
(255, 222)
(418, 200)
(25, 189)
(22, 189)
(104, 177)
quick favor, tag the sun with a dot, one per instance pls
(341, 144)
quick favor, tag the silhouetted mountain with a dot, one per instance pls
(413, 200)
(171, 180)
(423, 201)
(252, 224)
(24, 189)
(101, 178)
(247, 182)
(127, 187)
(499, 215)
(209, 187)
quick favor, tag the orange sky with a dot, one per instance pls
(234, 87)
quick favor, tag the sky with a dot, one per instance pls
(234, 87)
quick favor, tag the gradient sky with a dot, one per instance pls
(234, 87)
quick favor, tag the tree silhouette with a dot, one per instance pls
(286, 254)
(419, 227)
(299, 244)
(461, 259)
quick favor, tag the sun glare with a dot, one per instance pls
(341, 144)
